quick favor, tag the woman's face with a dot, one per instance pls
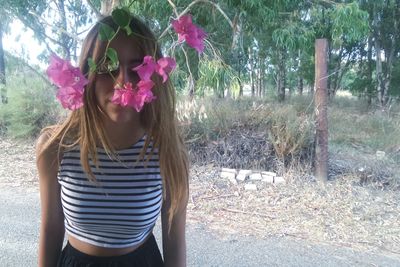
(129, 56)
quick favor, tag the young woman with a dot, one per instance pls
(108, 172)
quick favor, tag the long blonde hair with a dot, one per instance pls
(84, 127)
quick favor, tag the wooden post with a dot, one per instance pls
(321, 100)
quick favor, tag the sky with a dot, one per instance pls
(21, 43)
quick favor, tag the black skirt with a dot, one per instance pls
(147, 255)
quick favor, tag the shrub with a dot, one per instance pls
(290, 132)
(30, 107)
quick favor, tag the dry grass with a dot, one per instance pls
(356, 208)
(343, 212)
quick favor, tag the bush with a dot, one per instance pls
(291, 133)
(245, 132)
(30, 107)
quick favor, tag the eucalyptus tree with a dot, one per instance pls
(3, 90)
(385, 40)
(56, 24)
(344, 24)
(9, 10)
(216, 19)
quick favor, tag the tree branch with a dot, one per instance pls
(56, 28)
(93, 8)
(186, 10)
(35, 70)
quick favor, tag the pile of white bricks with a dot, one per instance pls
(249, 177)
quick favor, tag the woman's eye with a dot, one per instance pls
(108, 67)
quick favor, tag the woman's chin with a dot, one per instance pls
(119, 114)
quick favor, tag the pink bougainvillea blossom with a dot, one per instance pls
(70, 98)
(145, 85)
(123, 96)
(143, 95)
(69, 80)
(135, 98)
(197, 40)
(146, 69)
(164, 66)
(186, 30)
(63, 74)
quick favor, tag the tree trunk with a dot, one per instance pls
(237, 46)
(191, 85)
(3, 89)
(300, 85)
(369, 87)
(259, 76)
(321, 99)
(281, 76)
(239, 75)
(64, 38)
(107, 6)
(251, 63)
(300, 80)
(378, 51)
(389, 54)
(262, 81)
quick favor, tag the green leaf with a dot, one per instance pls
(92, 65)
(128, 30)
(106, 32)
(121, 17)
(112, 55)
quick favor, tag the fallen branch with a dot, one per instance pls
(250, 213)
(219, 196)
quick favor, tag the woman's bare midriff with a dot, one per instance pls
(100, 251)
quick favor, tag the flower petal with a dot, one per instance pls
(70, 97)
(146, 69)
(164, 66)
(186, 30)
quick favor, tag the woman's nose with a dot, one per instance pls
(123, 76)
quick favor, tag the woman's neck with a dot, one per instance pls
(123, 135)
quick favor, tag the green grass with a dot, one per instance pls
(371, 130)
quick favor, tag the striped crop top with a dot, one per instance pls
(119, 211)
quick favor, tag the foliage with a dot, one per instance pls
(216, 77)
(31, 107)
(290, 132)
(280, 33)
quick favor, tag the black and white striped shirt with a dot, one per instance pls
(121, 210)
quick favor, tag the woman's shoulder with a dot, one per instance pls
(47, 143)
(44, 143)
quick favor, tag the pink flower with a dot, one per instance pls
(143, 95)
(70, 97)
(164, 66)
(69, 80)
(63, 74)
(193, 35)
(196, 40)
(123, 96)
(145, 85)
(135, 98)
(146, 69)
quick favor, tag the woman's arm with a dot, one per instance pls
(174, 244)
(52, 218)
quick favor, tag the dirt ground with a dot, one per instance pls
(344, 212)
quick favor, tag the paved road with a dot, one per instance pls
(20, 227)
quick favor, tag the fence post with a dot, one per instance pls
(321, 110)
